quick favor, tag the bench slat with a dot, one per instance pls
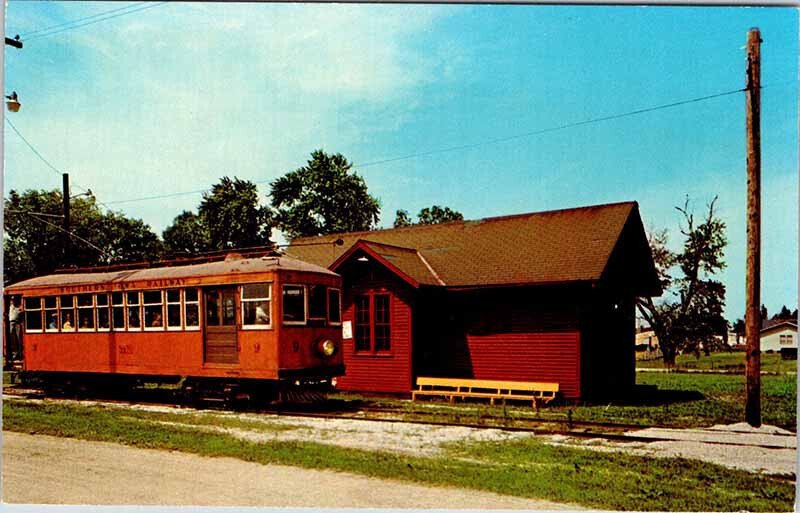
(490, 389)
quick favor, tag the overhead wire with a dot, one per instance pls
(71, 234)
(550, 129)
(487, 142)
(50, 165)
(92, 22)
(78, 20)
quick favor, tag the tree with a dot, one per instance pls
(323, 197)
(233, 217)
(402, 219)
(764, 313)
(694, 319)
(739, 329)
(432, 215)
(188, 234)
(784, 314)
(36, 244)
(437, 214)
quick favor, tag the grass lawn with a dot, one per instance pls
(524, 468)
(699, 400)
(680, 400)
(724, 361)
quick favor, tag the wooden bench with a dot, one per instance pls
(486, 389)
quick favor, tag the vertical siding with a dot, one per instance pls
(378, 372)
(520, 335)
(551, 357)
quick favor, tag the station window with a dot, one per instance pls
(786, 340)
(85, 312)
(317, 302)
(118, 310)
(174, 309)
(33, 314)
(134, 315)
(101, 300)
(66, 310)
(381, 316)
(51, 313)
(256, 305)
(363, 326)
(153, 301)
(334, 306)
(373, 323)
(191, 306)
(294, 304)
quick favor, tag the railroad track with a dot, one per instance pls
(369, 413)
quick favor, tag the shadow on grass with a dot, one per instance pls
(650, 395)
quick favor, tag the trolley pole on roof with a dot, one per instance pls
(752, 316)
(65, 196)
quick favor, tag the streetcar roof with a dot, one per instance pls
(239, 267)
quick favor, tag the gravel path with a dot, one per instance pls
(767, 450)
(49, 470)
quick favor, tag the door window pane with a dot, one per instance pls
(294, 304)
(317, 301)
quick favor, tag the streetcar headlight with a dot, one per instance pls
(327, 347)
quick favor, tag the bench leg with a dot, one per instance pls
(491, 401)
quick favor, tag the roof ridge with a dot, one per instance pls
(465, 221)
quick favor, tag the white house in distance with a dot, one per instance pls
(779, 334)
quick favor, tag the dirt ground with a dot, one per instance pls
(48, 470)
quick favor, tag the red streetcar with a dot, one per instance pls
(235, 327)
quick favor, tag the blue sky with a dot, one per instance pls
(172, 97)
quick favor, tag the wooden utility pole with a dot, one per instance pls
(752, 316)
(65, 197)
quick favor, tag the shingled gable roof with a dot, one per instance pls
(558, 246)
(405, 262)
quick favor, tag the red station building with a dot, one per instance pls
(546, 296)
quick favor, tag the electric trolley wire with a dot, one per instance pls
(34, 150)
(551, 129)
(51, 166)
(71, 234)
(25, 35)
(93, 21)
(487, 142)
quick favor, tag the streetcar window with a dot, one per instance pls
(191, 308)
(134, 316)
(51, 313)
(118, 310)
(101, 300)
(334, 306)
(33, 314)
(256, 305)
(85, 312)
(174, 309)
(316, 302)
(67, 312)
(153, 309)
(294, 304)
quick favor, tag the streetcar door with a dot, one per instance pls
(220, 343)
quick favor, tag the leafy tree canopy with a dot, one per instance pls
(36, 244)
(695, 319)
(232, 216)
(323, 197)
(432, 215)
(188, 234)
